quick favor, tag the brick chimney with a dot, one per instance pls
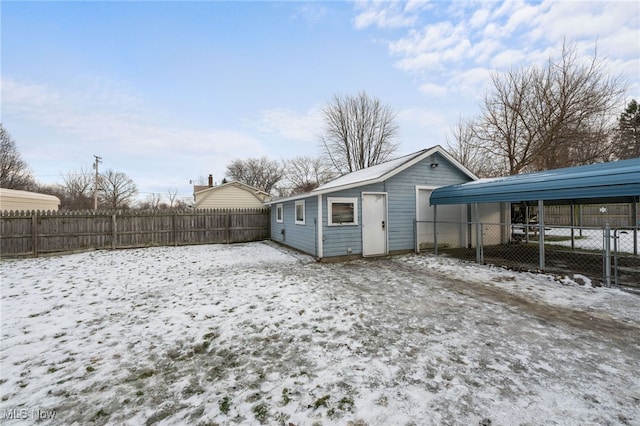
(210, 181)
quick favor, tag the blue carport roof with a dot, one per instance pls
(617, 181)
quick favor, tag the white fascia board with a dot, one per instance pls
(380, 178)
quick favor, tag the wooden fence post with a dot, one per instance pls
(228, 228)
(175, 229)
(34, 233)
(114, 232)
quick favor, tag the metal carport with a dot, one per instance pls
(614, 182)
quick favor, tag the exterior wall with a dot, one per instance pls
(402, 197)
(11, 199)
(228, 197)
(346, 240)
(301, 237)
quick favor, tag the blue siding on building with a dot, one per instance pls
(301, 237)
(401, 208)
(337, 240)
(402, 197)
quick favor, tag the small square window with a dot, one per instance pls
(279, 217)
(342, 211)
(299, 212)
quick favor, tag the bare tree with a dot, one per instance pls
(153, 201)
(359, 132)
(576, 105)
(14, 172)
(78, 189)
(181, 204)
(556, 116)
(117, 190)
(305, 174)
(260, 173)
(171, 196)
(466, 148)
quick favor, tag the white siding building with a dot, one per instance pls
(13, 199)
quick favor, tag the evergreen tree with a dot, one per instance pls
(628, 136)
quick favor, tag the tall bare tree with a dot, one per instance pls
(78, 189)
(468, 151)
(576, 105)
(117, 190)
(261, 173)
(359, 132)
(544, 118)
(305, 174)
(171, 196)
(14, 172)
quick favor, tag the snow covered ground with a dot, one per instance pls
(592, 239)
(253, 333)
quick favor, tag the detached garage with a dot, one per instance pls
(371, 212)
(15, 200)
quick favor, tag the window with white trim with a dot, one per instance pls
(279, 217)
(342, 211)
(300, 212)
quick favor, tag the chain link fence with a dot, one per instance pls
(596, 255)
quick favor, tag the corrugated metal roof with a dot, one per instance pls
(619, 180)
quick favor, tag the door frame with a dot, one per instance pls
(386, 220)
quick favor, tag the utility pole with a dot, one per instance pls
(95, 185)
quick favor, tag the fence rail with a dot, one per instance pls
(590, 215)
(35, 233)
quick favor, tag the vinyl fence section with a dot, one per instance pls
(597, 255)
(37, 233)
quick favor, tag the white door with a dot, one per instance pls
(374, 224)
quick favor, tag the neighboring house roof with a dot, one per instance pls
(13, 199)
(379, 173)
(202, 195)
(588, 184)
(198, 188)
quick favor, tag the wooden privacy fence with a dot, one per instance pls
(593, 215)
(34, 233)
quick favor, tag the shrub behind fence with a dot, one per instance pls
(35, 233)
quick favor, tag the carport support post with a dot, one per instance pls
(573, 223)
(541, 232)
(634, 214)
(607, 255)
(479, 257)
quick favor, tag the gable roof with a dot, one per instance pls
(259, 194)
(379, 173)
(592, 183)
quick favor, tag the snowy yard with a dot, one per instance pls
(592, 239)
(253, 333)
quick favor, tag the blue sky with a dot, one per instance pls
(168, 92)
